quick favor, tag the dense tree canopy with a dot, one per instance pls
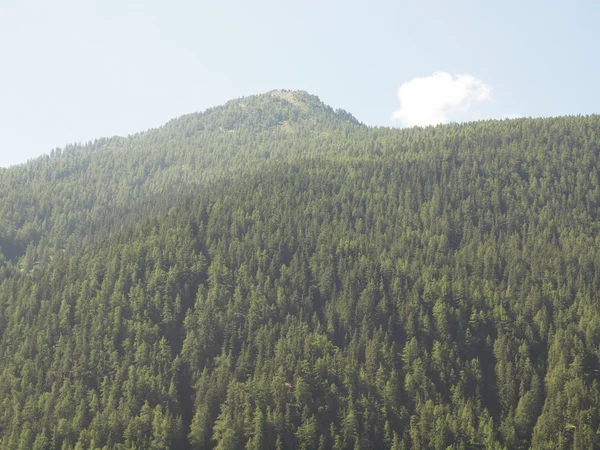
(273, 274)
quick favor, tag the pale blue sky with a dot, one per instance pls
(73, 71)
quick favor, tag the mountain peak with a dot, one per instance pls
(297, 98)
(311, 103)
(275, 108)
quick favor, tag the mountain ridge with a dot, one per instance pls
(300, 99)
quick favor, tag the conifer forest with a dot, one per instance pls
(274, 274)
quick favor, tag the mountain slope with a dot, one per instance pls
(364, 288)
(67, 199)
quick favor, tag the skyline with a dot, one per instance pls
(74, 72)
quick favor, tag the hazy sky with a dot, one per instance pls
(72, 71)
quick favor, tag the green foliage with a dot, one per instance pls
(272, 274)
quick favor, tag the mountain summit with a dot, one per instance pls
(278, 108)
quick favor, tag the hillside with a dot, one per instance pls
(65, 200)
(273, 274)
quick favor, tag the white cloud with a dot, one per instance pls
(438, 98)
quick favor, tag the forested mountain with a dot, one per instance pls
(274, 274)
(67, 199)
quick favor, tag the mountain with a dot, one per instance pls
(74, 195)
(273, 274)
